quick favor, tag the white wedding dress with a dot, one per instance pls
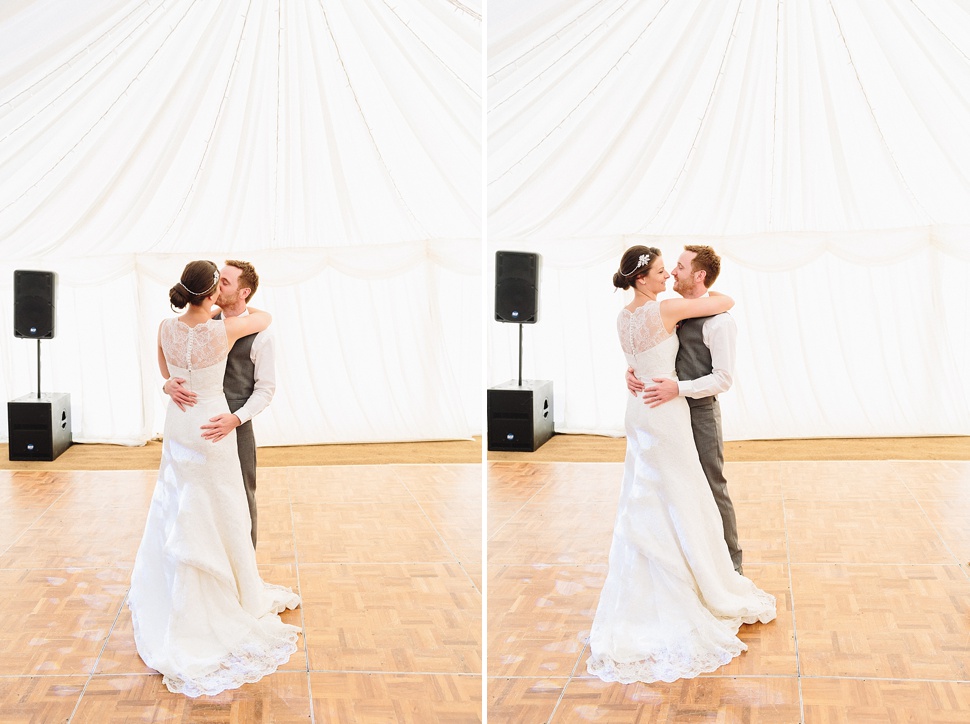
(672, 603)
(202, 615)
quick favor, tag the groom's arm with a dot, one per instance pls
(720, 336)
(264, 359)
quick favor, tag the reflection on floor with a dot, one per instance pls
(387, 559)
(868, 561)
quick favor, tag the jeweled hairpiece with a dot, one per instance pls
(215, 281)
(644, 260)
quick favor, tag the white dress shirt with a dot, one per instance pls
(720, 334)
(263, 355)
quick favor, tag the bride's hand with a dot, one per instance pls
(633, 383)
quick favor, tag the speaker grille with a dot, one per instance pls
(33, 304)
(516, 287)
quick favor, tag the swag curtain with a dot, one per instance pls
(819, 146)
(333, 143)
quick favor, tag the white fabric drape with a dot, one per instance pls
(336, 144)
(819, 146)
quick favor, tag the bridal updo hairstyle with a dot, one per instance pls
(630, 268)
(199, 280)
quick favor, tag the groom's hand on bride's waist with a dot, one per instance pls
(663, 391)
(181, 395)
(219, 426)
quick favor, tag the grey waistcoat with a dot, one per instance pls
(240, 379)
(694, 357)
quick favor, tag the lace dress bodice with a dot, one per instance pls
(197, 354)
(650, 349)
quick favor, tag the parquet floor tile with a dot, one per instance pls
(761, 531)
(14, 523)
(403, 698)
(22, 490)
(523, 700)
(39, 699)
(499, 514)
(274, 529)
(419, 617)
(835, 480)
(281, 698)
(756, 481)
(856, 531)
(56, 621)
(120, 489)
(854, 701)
(908, 622)
(75, 539)
(539, 617)
(554, 533)
(749, 699)
(366, 533)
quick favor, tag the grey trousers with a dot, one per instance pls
(705, 419)
(246, 442)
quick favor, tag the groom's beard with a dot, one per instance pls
(683, 288)
(226, 300)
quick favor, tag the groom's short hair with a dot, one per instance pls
(248, 278)
(707, 261)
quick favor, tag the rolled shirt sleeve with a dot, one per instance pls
(263, 355)
(720, 334)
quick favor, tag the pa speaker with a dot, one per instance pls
(520, 416)
(33, 304)
(516, 287)
(39, 428)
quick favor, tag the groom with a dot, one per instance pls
(250, 379)
(705, 368)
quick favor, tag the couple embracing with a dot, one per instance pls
(202, 615)
(675, 595)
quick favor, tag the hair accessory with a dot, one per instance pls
(215, 281)
(644, 260)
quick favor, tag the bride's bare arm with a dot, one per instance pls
(239, 327)
(162, 364)
(674, 310)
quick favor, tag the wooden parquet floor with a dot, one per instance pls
(868, 561)
(387, 560)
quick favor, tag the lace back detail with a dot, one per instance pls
(641, 329)
(194, 348)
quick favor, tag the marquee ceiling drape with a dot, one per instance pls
(335, 143)
(818, 146)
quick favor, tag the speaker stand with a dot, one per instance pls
(38, 369)
(520, 356)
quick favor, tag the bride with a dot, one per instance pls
(202, 615)
(672, 603)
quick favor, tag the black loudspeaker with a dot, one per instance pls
(39, 427)
(33, 304)
(520, 416)
(516, 287)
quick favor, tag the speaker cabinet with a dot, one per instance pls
(519, 417)
(33, 304)
(39, 428)
(516, 287)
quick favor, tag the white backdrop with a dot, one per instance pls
(819, 146)
(336, 144)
